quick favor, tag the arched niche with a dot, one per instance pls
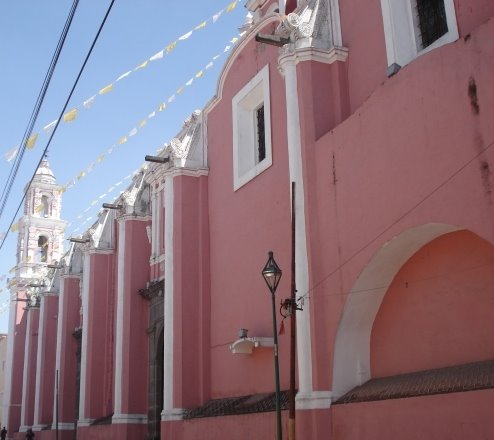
(351, 360)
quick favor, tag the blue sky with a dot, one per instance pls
(134, 32)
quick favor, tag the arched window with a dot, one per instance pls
(45, 206)
(42, 253)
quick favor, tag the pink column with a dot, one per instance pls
(96, 398)
(191, 302)
(29, 377)
(45, 371)
(132, 321)
(17, 331)
(68, 350)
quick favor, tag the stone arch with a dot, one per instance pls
(351, 360)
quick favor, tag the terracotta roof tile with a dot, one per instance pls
(468, 377)
(255, 403)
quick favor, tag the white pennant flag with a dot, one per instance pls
(157, 56)
(171, 98)
(216, 57)
(227, 48)
(189, 82)
(124, 75)
(152, 115)
(209, 65)
(88, 103)
(216, 16)
(133, 132)
(10, 155)
(49, 128)
(185, 36)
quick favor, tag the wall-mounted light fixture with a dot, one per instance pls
(112, 206)
(156, 159)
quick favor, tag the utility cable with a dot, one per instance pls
(34, 115)
(59, 118)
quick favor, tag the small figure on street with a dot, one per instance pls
(3, 433)
(29, 434)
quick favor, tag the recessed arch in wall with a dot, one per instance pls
(351, 360)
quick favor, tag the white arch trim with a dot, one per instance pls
(351, 361)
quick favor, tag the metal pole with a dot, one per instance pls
(293, 323)
(276, 373)
(56, 405)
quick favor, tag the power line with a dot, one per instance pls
(60, 117)
(37, 107)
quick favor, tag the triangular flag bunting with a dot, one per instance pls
(31, 141)
(106, 89)
(70, 116)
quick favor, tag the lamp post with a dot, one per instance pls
(272, 275)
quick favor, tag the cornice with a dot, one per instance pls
(295, 56)
(96, 251)
(138, 218)
(160, 173)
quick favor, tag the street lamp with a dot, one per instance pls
(272, 275)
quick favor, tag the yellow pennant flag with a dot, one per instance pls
(122, 140)
(70, 116)
(142, 123)
(100, 158)
(231, 6)
(63, 189)
(14, 228)
(106, 89)
(199, 26)
(199, 74)
(170, 47)
(180, 90)
(81, 175)
(142, 65)
(161, 107)
(31, 141)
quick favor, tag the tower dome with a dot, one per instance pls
(44, 173)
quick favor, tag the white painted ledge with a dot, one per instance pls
(172, 415)
(313, 400)
(136, 419)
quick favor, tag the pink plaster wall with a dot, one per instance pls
(136, 320)
(48, 327)
(243, 427)
(30, 365)
(100, 340)
(68, 360)
(414, 153)
(244, 226)
(445, 416)
(191, 292)
(14, 420)
(438, 310)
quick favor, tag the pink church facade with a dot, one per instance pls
(382, 117)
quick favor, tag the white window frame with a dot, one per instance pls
(400, 31)
(244, 105)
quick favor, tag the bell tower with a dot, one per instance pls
(41, 229)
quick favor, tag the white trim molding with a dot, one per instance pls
(129, 419)
(254, 94)
(84, 423)
(313, 400)
(168, 300)
(401, 33)
(304, 351)
(120, 316)
(172, 415)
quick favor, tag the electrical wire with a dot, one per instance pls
(37, 107)
(59, 118)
